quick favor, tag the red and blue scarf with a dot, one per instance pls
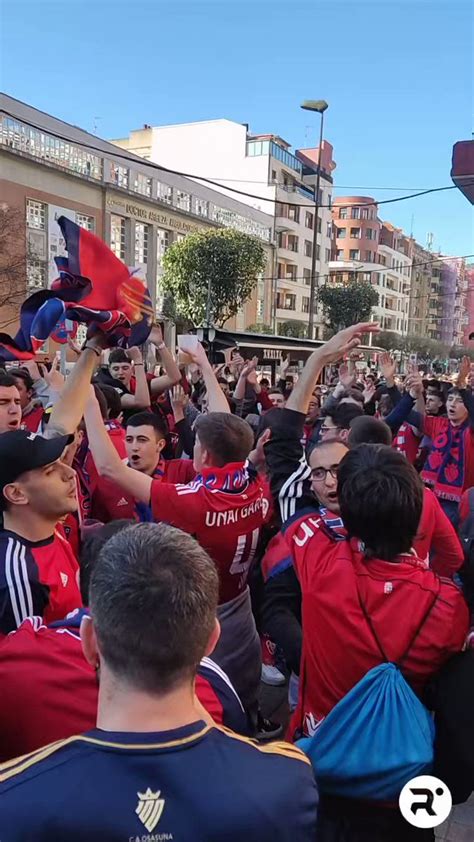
(445, 467)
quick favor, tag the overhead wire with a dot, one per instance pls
(161, 168)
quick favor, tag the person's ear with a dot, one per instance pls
(344, 435)
(14, 493)
(213, 638)
(89, 642)
(160, 445)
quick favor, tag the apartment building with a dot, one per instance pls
(453, 295)
(394, 256)
(374, 251)
(278, 182)
(49, 168)
(425, 308)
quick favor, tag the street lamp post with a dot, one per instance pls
(320, 106)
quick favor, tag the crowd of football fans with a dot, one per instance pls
(179, 533)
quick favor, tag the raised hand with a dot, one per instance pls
(284, 366)
(464, 372)
(257, 455)
(54, 378)
(346, 340)
(369, 391)
(414, 384)
(134, 354)
(388, 366)
(156, 335)
(345, 377)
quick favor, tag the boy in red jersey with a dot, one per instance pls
(38, 570)
(225, 508)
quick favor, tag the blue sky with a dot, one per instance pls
(397, 74)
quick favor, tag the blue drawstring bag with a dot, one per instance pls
(374, 740)
(377, 737)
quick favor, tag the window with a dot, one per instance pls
(340, 254)
(354, 254)
(87, 222)
(307, 276)
(329, 229)
(342, 213)
(35, 214)
(294, 213)
(257, 147)
(308, 248)
(165, 193)
(340, 233)
(162, 244)
(119, 175)
(36, 273)
(369, 233)
(366, 276)
(183, 200)
(117, 235)
(288, 241)
(355, 213)
(38, 144)
(201, 207)
(328, 255)
(355, 233)
(318, 252)
(274, 175)
(368, 256)
(319, 224)
(305, 304)
(309, 218)
(260, 308)
(286, 301)
(364, 213)
(141, 243)
(142, 184)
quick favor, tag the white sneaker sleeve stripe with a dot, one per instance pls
(11, 584)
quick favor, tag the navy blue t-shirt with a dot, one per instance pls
(198, 783)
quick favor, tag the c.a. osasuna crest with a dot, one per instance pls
(149, 808)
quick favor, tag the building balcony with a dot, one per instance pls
(284, 223)
(297, 192)
(287, 254)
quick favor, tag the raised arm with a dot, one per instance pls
(141, 398)
(339, 345)
(217, 401)
(106, 458)
(173, 375)
(68, 411)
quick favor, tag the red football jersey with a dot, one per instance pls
(32, 420)
(36, 578)
(225, 509)
(49, 691)
(338, 645)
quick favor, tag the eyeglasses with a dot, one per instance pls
(325, 429)
(320, 474)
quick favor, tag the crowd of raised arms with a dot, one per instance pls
(172, 538)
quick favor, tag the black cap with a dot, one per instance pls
(22, 451)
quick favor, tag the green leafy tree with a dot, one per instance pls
(260, 327)
(226, 259)
(299, 330)
(345, 305)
